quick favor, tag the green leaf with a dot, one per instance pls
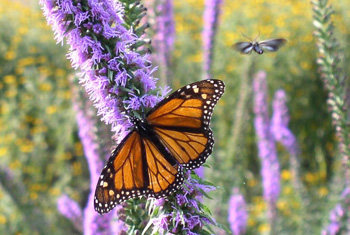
(317, 24)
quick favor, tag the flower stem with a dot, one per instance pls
(333, 78)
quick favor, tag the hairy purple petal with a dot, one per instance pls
(270, 168)
(237, 213)
(71, 210)
(210, 17)
(279, 123)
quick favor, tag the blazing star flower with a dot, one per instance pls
(200, 171)
(337, 214)
(164, 36)
(119, 81)
(160, 202)
(71, 210)
(113, 73)
(270, 169)
(181, 199)
(279, 123)
(87, 220)
(93, 223)
(210, 18)
(185, 213)
(237, 213)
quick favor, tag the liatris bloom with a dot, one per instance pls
(88, 220)
(183, 213)
(200, 172)
(337, 215)
(237, 213)
(105, 48)
(164, 36)
(282, 134)
(279, 123)
(210, 18)
(71, 210)
(93, 223)
(270, 168)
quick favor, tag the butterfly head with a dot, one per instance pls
(257, 48)
(134, 120)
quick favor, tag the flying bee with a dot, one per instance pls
(270, 45)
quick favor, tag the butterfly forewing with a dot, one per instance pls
(243, 47)
(272, 44)
(182, 120)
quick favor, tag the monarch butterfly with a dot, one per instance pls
(149, 160)
(270, 45)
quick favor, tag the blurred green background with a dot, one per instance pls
(41, 156)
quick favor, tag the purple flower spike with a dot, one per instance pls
(237, 213)
(160, 202)
(210, 17)
(71, 210)
(337, 214)
(270, 169)
(164, 36)
(186, 213)
(181, 200)
(200, 172)
(193, 221)
(93, 223)
(101, 47)
(162, 223)
(279, 123)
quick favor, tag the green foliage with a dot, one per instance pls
(293, 68)
(329, 62)
(39, 149)
(41, 156)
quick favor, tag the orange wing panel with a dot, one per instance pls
(184, 146)
(162, 173)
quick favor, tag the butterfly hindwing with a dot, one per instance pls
(182, 120)
(135, 168)
(123, 176)
(190, 149)
(164, 178)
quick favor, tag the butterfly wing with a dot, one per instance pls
(272, 44)
(243, 47)
(181, 121)
(135, 168)
(141, 166)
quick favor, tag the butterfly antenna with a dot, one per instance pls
(246, 36)
(257, 36)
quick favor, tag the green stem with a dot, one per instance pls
(334, 80)
(32, 216)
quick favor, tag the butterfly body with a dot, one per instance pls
(270, 45)
(257, 48)
(149, 161)
(146, 131)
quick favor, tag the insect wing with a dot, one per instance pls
(272, 44)
(243, 47)
(140, 166)
(182, 120)
(135, 168)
